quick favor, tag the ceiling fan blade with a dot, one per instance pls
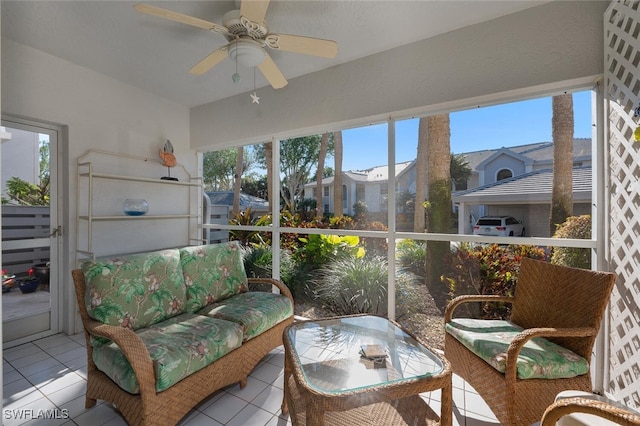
(210, 61)
(301, 44)
(272, 73)
(254, 10)
(179, 17)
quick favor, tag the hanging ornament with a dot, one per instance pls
(254, 96)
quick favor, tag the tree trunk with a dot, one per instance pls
(324, 145)
(237, 184)
(337, 180)
(439, 210)
(268, 150)
(562, 133)
(421, 177)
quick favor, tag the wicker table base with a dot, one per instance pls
(410, 411)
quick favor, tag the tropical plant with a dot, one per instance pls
(319, 249)
(578, 227)
(353, 285)
(488, 269)
(23, 193)
(411, 257)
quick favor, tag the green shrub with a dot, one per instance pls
(411, 256)
(258, 264)
(489, 269)
(351, 286)
(578, 227)
(319, 249)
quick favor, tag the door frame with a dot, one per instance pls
(56, 203)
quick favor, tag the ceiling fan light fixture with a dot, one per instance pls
(247, 53)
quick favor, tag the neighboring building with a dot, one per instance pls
(534, 161)
(225, 198)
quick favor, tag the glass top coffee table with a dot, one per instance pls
(329, 380)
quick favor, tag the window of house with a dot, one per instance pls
(504, 174)
(326, 191)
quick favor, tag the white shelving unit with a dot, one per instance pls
(99, 212)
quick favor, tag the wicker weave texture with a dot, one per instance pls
(563, 304)
(601, 409)
(150, 408)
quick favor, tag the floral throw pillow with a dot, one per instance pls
(212, 273)
(135, 291)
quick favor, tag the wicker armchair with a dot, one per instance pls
(564, 305)
(571, 403)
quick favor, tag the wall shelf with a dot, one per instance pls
(99, 220)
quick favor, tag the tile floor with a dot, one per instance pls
(50, 373)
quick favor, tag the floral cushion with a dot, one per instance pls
(178, 347)
(256, 311)
(212, 273)
(136, 290)
(538, 359)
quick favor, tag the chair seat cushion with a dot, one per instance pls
(256, 311)
(538, 359)
(178, 347)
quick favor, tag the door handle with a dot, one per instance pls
(57, 232)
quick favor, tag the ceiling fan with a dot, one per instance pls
(247, 35)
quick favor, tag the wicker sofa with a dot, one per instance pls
(166, 329)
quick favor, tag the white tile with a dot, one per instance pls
(52, 341)
(72, 354)
(251, 415)
(225, 408)
(68, 346)
(43, 365)
(197, 418)
(69, 393)
(28, 413)
(267, 373)
(44, 377)
(19, 394)
(34, 357)
(6, 366)
(280, 421)
(98, 415)
(77, 363)
(270, 400)
(10, 376)
(75, 407)
(250, 391)
(63, 381)
(18, 352)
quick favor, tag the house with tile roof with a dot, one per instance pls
(514, 181)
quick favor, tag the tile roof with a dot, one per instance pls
(526, 188)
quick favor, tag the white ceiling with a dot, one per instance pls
(155, 55)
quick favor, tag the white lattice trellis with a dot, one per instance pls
(622, 77)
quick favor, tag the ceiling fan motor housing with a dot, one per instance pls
(239, 26)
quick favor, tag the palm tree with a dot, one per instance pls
(337, 180)
(421, 176)
(562, 133)
(268, 149)
(439, 189)
(324, 146)
(237, 184)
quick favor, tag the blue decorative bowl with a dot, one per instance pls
(29, 285)
(135, 207)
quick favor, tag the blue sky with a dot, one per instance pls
(492, 127)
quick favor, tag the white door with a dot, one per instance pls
(31, 237)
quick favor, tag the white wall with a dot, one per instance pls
(557, 41)
(99, 113)
(25, 146)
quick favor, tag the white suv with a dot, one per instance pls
(498, 226)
